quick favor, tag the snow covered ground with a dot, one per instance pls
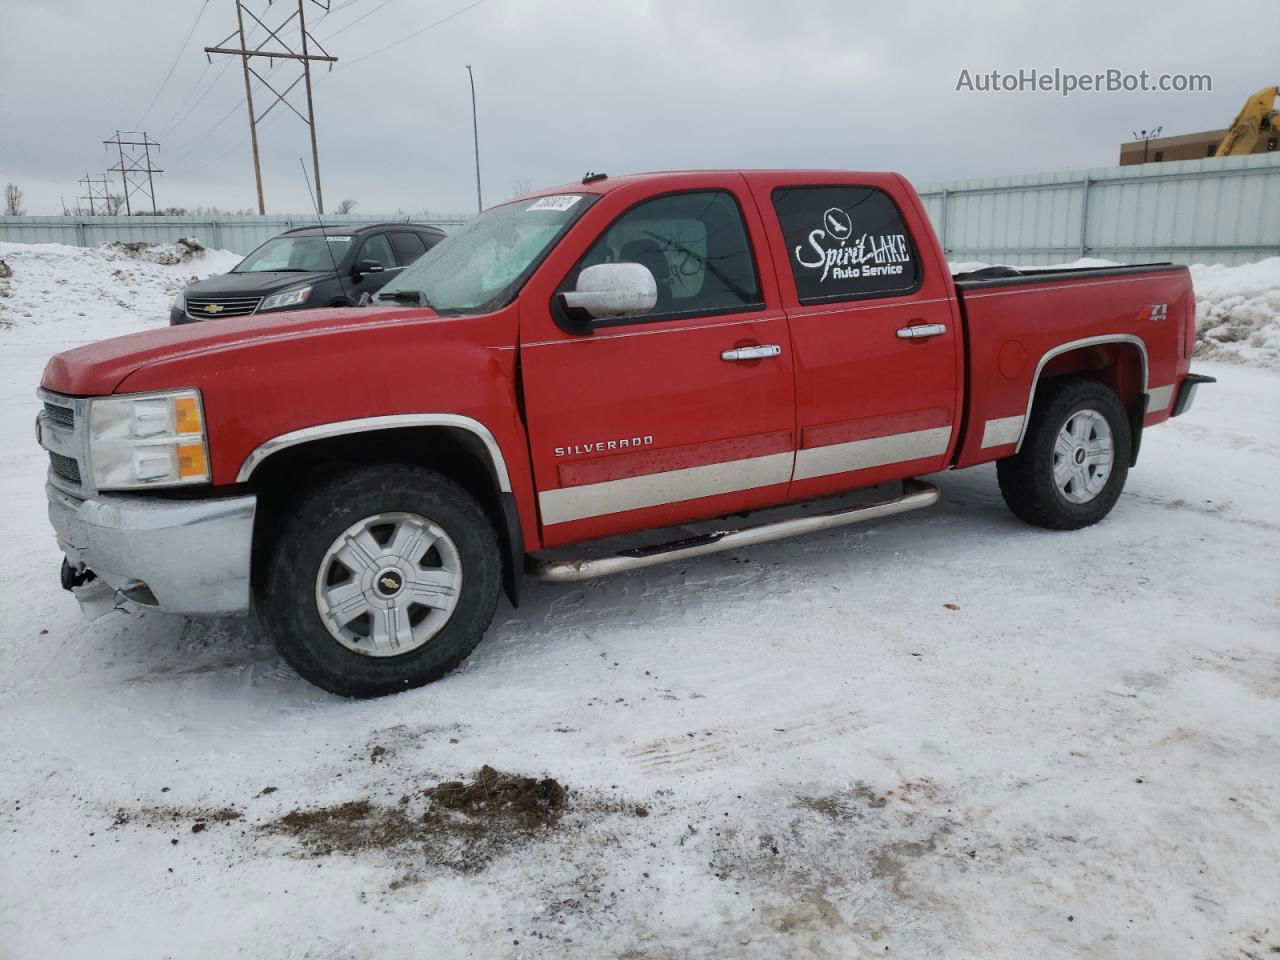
(942, 735)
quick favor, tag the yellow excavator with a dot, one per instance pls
(1256, 120)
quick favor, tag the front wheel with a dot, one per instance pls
(383, 579)
(1074, 458)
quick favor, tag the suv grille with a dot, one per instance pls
(211, 308)
(65, 467)
(64, 416)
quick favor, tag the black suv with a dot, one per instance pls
(307, 267)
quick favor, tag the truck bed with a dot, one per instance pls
(1131, 322)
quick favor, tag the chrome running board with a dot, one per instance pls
(916, 494)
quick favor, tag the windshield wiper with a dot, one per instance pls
(405, 296)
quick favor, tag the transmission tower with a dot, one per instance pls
(96, 190)
(134, 165)
(276, 48)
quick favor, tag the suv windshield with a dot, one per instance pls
(294, 254)
(482, 265)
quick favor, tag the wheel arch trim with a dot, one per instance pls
(340, 428)
(1124, 338)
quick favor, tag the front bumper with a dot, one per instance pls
(180, 556)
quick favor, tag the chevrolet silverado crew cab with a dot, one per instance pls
(579, 382)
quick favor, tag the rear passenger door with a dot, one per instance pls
(876, 342)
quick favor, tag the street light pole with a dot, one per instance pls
(475, 132)
(1147, 136)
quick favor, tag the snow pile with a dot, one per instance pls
(1237, 308)
(96, 292)
(1238, 312)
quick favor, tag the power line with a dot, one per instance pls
(177, 57)
(194, 145)
(363, 16)
(407, 37)
(186, 97)
(171, 125)
(332, 10)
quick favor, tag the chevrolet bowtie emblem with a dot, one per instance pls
(213, 308)
(390, 583)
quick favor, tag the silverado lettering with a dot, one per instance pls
(625, 443)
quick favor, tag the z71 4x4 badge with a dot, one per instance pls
(604, 446)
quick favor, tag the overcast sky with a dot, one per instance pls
(566, 86)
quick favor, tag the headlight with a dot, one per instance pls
(180, 302)
(147, 440)
(290, 298)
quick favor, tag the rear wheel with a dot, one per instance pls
(1074, 458)
(383, 579)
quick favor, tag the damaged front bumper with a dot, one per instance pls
(179, 556)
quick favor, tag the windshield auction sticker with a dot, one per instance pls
(562, 201)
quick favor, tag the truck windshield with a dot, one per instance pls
(483, 264)
(290, 254)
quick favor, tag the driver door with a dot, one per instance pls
(653, 420)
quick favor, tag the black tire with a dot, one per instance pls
(287, 601)
(1027, 478)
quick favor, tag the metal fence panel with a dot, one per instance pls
(1216, 210)
(237, 233)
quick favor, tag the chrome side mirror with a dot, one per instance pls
(614, 290)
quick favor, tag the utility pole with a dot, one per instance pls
(135, 161)
(475, 133)
(95, 189)
(281, 50)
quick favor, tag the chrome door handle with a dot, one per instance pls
(751, 353)
(922, 331)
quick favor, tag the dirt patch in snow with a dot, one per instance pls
(180, 251)
(199, 818)
(460, 824)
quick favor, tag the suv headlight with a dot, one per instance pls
(180, 301)
(147, 440)
(290, 298)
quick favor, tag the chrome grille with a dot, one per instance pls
(65, 467)
(65, 416)
(198, 308)
(60, 436)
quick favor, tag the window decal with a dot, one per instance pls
(845, 242)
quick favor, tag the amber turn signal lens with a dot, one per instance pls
(191, 460)
(186, 412)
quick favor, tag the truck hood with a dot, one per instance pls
(97, 369)
(267, 282)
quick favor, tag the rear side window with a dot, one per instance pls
(845, 243)
(696, 247)
(408, 247)
(377, 248)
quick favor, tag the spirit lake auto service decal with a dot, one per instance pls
(840, 259)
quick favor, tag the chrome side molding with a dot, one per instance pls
(916, 494)
(368, 424)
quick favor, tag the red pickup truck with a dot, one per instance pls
(618, 358)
